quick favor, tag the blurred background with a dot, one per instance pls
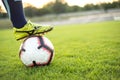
(59, 12)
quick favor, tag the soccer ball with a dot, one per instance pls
(36, 51)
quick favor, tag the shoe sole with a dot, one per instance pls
(36, 33)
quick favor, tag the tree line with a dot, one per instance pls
(59, 6)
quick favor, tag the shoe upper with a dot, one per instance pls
(31, 29)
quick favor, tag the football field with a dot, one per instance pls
(82, 52)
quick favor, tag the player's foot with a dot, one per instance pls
(30, 29)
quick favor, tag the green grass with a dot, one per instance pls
(5, 24)
(82, 52)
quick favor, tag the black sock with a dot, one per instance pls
(15, 11)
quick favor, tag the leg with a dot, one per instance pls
(22, 28)
(15, 12)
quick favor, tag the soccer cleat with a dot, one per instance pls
(30, 29)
